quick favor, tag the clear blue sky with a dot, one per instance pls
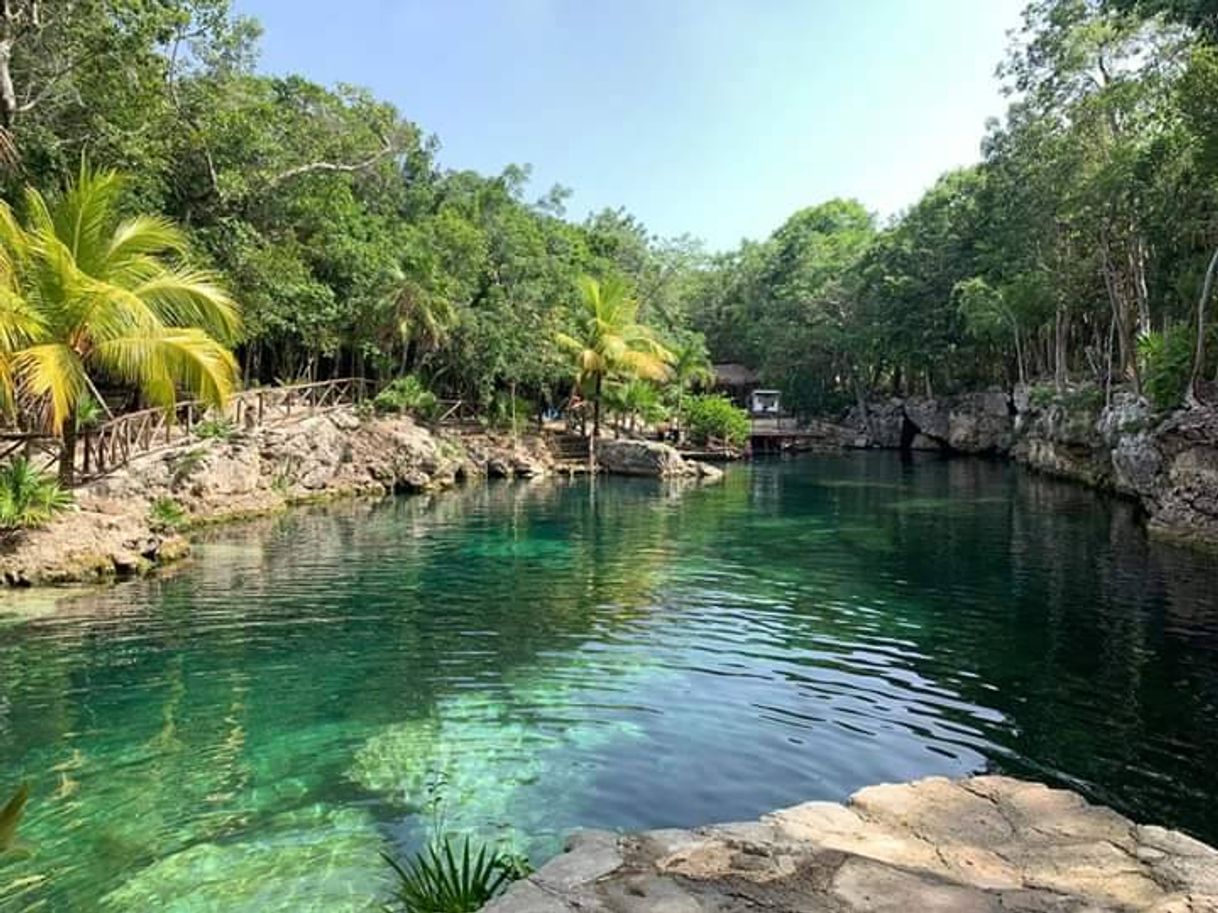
(715, 117)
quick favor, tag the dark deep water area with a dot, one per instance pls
(247, 731)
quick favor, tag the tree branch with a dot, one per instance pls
(333, 167)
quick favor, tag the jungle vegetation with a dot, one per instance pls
(1082, 247)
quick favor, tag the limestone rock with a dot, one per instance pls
(112, 534)
(642, 458)
(980, 845)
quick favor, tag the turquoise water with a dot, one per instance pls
(249, 731)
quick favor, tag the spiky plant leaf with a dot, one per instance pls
(10, 817)
(442, 879)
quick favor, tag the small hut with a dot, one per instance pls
(736, 381)
(765, 403)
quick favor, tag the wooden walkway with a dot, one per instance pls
(114, 443)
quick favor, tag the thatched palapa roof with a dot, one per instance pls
(734, 374)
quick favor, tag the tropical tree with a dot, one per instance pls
(635, 401)
(91, 295)
(610, 341)
(421, 320)
(691, 367)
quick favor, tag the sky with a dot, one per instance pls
(717, 118)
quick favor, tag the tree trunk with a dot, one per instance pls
(860, 397)
(1137, 265)
(1207, 288)
(512, 389)
(1059, 348)
(67, 451)
(596, 408)
(1108, 372)
(1021, 372)
(8, 94)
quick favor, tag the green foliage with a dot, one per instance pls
(716, 417)
(351, 250)
(407, 394)
(148, 319)
(1167, 364)
(10, 817)
(1042, 395)
(219, 428)
(28, 497)
(167, 513)
(507, 412)
(610, 342)
(636, 403)
(445, 879)
(1075, 398)
(89, 413)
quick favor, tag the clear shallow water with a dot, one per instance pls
(248, 732)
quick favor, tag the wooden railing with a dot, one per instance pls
(40, 449)
(114, 443)
(454, 412)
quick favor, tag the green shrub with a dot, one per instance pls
(219, 428)
(1042, 395)
(1167, 364)
(89, 413)
(1079, 398)
(713, 416)
(29, 497)
(444, 880)
(501, 413)
(166, 513)
(407, 394)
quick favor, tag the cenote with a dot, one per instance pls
(250, 730)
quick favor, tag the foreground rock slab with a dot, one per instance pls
(981, 845)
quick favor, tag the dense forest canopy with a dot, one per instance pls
(1076, 250)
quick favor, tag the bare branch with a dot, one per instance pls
(334, 167)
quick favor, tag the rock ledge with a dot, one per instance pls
(980, 845)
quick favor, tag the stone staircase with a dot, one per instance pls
(570, 451)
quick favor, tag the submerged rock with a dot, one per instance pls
(317, 864)
(985, 844)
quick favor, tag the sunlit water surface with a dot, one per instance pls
(248, 732)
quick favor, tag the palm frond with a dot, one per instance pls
(51, 373)
(162, 360)
(182, 297)
(85, 213)
(138, 237)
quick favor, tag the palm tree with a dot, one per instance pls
(87, 294)
(637, 401)
(610, 341)
(421, 320)
(691, 366)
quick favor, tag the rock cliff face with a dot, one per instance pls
(966, 423)
(982, 845)
(1169, 464)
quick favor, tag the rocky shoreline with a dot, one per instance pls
(136, 519)
(980, 845)
(1169, 464)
